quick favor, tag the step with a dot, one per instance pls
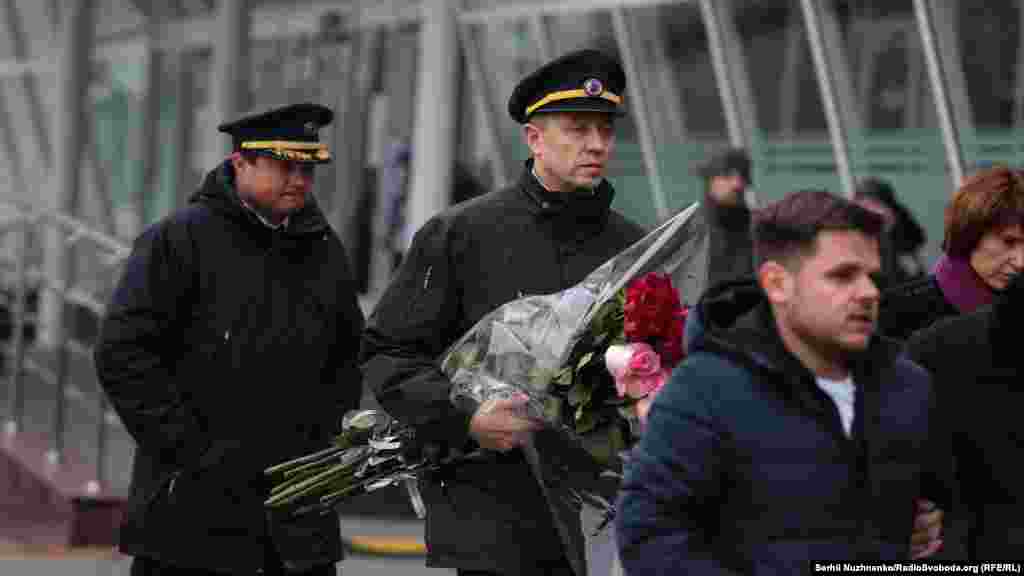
(45, 502)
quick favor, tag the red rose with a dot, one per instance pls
(653, 313)
(652, 305)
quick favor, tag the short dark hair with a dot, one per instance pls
(987, 200)
(788, 228)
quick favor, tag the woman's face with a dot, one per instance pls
(999, 256)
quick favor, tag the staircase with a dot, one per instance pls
(65, 459)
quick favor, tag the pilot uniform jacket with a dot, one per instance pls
(228, 347)
(465, 262)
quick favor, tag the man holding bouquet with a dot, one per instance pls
(540, 235)
(792, 432)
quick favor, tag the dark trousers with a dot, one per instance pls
(272, 567)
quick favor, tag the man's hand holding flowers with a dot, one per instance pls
(499, 424)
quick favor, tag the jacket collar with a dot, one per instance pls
(587, 208)
(751, 339)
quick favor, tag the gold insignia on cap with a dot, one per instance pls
(592, 88)
(289, 150)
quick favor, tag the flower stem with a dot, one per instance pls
(305, 487)
(303, 460)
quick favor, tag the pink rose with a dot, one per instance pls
(636, 369)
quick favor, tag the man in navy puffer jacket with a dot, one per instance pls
(791, 433)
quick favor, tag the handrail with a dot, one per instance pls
(25, 222)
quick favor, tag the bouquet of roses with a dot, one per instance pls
(550, 349)
(650, 345)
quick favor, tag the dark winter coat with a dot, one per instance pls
(744, 467)
(977, 366)
(464, 263)
(913, 306)
(228, 347)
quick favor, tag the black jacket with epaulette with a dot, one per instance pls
(464, 263)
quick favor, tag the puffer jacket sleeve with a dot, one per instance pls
(667, 511)
(415, 320)
(139, 340)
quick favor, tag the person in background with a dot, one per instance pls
(983, 250)
(792, 431)
(730, 251)
(231, 345)
(904, 237)
(729, 256)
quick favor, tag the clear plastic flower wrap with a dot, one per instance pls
(523, 347)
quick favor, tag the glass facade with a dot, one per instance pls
(676, 73)
(366, 68)
(894, 134)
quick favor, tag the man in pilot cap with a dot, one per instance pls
(540, 235)
(230, 345)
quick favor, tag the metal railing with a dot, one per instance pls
(22, 267)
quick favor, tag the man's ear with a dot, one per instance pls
(534, 137)
(237, 161)
(777, 282)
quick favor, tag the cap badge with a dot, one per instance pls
(310, 128)
(593, 87)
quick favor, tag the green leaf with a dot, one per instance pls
(540, 378)
(586, 419)
(564, 378)
(604, 444)
(552, 409)
(584, 361)
(462, 358)
(580, 393)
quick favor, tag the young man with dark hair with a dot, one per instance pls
(792, 432)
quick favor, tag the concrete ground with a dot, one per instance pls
(18, 561)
